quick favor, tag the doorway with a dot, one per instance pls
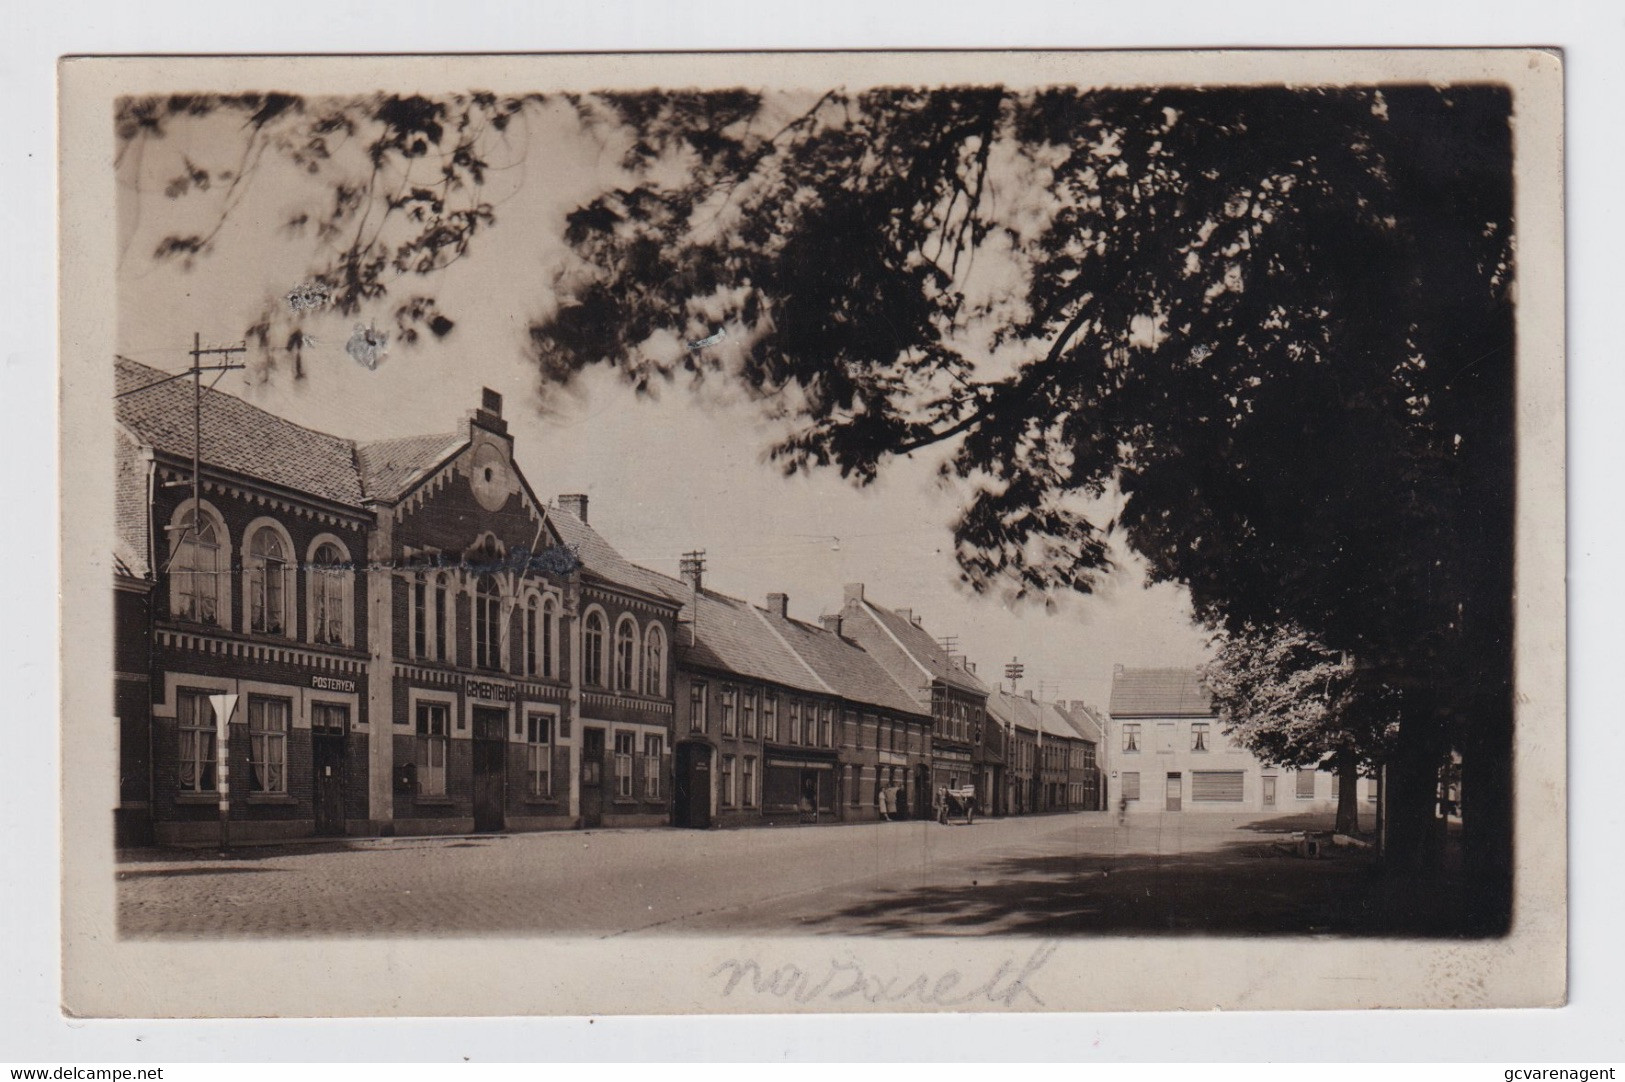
(327, 757)
(592, 777)
(490, 768)
(691, 805)
(1269, 790)
(1175, 792)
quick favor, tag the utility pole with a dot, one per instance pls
(1013, 672)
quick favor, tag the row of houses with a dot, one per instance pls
(315, 635)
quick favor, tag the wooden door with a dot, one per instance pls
(327, 757)
(692, 800)
(1175, 792)
(1269, 790)
(490, 768)
(592, 777)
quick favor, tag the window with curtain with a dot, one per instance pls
(487, 624)
(268, 744)
(592, 649)
(195, 570)
(626, 647)
(268, 582)
(330, 573)
(194, 720)
(431, 749)
(654, 661)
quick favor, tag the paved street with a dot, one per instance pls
(1050, 875)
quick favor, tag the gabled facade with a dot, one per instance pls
(413, 646)
(943, 684)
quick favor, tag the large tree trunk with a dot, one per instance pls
(1486, 818)
(1348, 782)
(1412, 791)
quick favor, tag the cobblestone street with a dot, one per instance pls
(1049, 875)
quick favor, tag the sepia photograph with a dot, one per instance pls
(854, 531)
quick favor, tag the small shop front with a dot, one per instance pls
(799, 782)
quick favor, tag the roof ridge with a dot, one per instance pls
(260, 409)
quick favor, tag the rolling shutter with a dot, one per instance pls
(1131, 785)
(1217, 786)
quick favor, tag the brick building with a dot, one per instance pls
(944, 684)
(412, 646)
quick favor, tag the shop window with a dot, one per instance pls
(726, 796)
(654, 661)
(268, 744)
(539, 755)
(431, 749)
(654, 746)
(625, 744)
(1199, 736)
(747, 782)
(592, 649)
(330, 579)
(696, 706)
(1131, 738)
(626, 653)
(194, 717)
(267, 573)
(197, 564)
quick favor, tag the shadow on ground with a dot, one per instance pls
(1244, 887)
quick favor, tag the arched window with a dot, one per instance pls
(268, 574)
(487, 624)
(196, 568)
(626, 654)
(592, 649)
(532, 646)
(654, 661)
(330, 582)
(445, 619)
(550, 637)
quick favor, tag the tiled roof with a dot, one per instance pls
(924, 649)
(236, 436)
(1016, 710)
(390, 467)
(1084, 719)
(1159, 693)
(1052, 719)
(130, 515)
(842, 664)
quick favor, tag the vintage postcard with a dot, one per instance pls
(790, 532)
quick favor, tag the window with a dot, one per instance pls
(625, 744)
(420, 618)
(1199, 736)
(747, 782)
(727, 794)
(532, 618)
(539, 755)
(1131, 785)
(487, 620)
(747, 715)
(329, 578)
(1217, 786)
(267, 582)
(1131, 738)
(194, 717)
(195, 568)
(729, 696)
(795, 721)
(330, 718)
(654, 660)
(550, 632)
(770, 717)
(268, 744)
(854, 785)
(592, 649)
(431, 749)
(654, 746)
(1306, 784)
(443, 617)
(826, 730)
(696, 707)
(626, 655)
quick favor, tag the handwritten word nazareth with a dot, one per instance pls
(846, 978)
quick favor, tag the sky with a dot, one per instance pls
(684, 469)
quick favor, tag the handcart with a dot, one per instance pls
(956, 804)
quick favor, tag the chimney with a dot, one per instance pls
(916, 619)
(907, 614)
(971, 665)
(576, 504)
(779, 605)
(831, 622)
(489, 415)
(1030, 696)
(853, 592)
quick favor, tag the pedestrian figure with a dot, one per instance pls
(1122, 811)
